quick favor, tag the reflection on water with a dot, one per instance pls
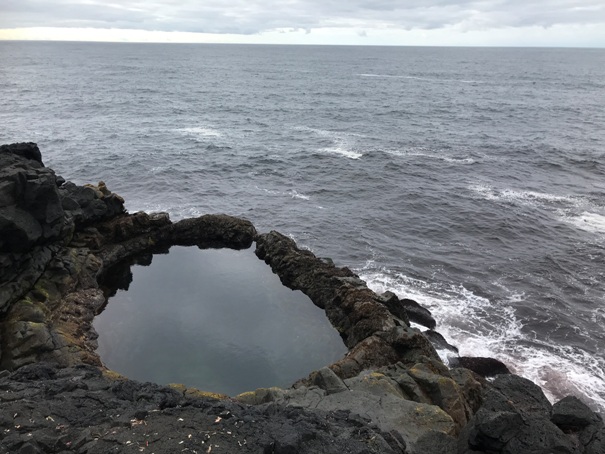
(215, 319)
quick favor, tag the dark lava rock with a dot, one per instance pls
(214, 231)
(30, 206)
(537, 435)
(28, 150)
(524, 395)
(391, 301)
(596, 443)
(375, 336)
(580, 423)
(570, 413)
(37, 217)
(87, 204)
(418, 314)
(439, 341)
(491, 431)
(486, 367)
(515, 417)
(90, 412)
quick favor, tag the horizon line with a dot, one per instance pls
(476, 46)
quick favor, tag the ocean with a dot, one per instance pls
(468, 179)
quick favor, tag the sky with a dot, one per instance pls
(552, 23)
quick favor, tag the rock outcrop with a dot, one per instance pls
(46, 409)
(516, 417)
(65, 248)
(375, 333)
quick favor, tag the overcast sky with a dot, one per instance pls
(398, 22)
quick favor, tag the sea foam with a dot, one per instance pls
(480, 327)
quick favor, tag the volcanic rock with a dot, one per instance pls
(571, 414)
(30, 206)
(439, 342)
(84, 410)
(418, 314)
(486, 367)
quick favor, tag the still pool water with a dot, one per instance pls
(215, 319)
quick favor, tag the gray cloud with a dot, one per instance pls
(253, 16)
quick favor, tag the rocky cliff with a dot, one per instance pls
(60, 243)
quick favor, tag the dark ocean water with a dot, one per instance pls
(471, 180)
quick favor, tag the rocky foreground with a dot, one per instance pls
(64, 249)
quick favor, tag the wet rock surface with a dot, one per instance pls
(65, 248)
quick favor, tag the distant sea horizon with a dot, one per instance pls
(209, 43)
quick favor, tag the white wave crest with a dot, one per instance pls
(572, 210)
(269, 191)
(292, 193)
(199, 131)
(343, 143)
(425, 79)
(431, 154)
(343, 152)
(297, 195)
(328, 133)
(529, 198)
(591, 222)
(385, 76)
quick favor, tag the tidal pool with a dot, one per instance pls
(216, 319)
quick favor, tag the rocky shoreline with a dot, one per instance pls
(62, 250)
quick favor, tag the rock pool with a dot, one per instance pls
(215, 319)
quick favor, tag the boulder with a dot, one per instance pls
(27, 150)
(571, 414)
(580, 423)
(418, 314)
(486, 367)
(391, 301)
(442, 390)
(439, 341)
(327, 380)
(522, 394)
(515, 417)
